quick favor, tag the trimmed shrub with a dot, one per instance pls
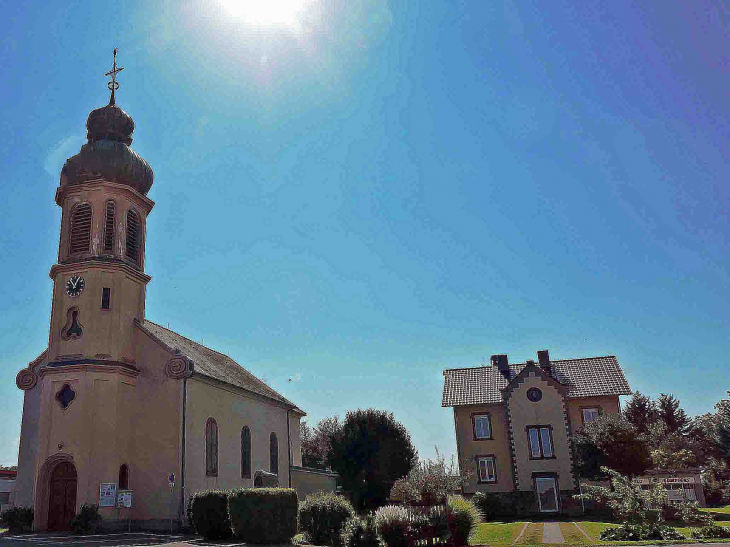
(322, 516)
(264, 515)
(87, 518)
(637, 532)
(712, 531)
(210, 514)
(494, 505)
(360, 532)
(17, 518)
(464, 517)
(393, 525)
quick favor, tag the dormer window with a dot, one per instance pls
(80, 233)
(133, 236)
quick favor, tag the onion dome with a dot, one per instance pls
(107, 155)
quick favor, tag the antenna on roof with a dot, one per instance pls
(484, 363)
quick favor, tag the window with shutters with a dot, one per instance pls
(80, 236)
(110, 212)
(245, 453)
(211, 448)
(273, 454)
(134, 236)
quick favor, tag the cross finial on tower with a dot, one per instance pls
(113, 85)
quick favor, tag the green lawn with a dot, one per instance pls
(594, 528)
(533, 534)
(497, 532)
(725, 510)
(572, 534)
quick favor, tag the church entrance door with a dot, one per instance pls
(62, 499)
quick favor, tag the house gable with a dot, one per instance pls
(548, 411)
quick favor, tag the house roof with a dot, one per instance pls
(585, 377)
(213, 364)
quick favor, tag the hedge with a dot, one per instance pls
(17, 518)
(209, 510)
(263, 515)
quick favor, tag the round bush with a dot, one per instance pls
(322, 516)
(464, 519)
(393, 525)
(210, 514)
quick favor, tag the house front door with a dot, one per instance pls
(547, 494)
(62, 498)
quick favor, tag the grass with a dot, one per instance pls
(497, 532)
(572, 534)
(725, 510)
(594, 528)
(533, 534)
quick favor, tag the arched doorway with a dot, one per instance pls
(62, 497)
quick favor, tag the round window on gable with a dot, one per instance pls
(534, 394)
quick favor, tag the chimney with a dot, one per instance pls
(501, 362)
(543, 357)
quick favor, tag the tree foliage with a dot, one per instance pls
(610, 441)
(316, 442)
(640, 411)
(370, 451)
(672, 415)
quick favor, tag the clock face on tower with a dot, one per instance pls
(75, 286)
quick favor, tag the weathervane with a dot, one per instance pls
(113, 85)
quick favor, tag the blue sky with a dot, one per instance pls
(379, 190)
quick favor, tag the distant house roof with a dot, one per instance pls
(584, 377)
(215, 365)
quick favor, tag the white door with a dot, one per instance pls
(547, 494)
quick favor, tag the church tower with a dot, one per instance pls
(119, 409)
(99, 280)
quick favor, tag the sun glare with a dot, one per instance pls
(283, 13)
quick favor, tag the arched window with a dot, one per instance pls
(110, 211)
(134, 236)
(273, 454)
(80, 235)
(211, 448)
(245, 452)
(124, 477)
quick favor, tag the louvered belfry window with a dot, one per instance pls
(133, 236)
(80, 229)
(111, 210)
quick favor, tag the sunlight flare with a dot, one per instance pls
(282, 13)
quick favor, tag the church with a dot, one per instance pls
(117, 404)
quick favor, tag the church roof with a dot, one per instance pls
(213, 364)
(584, 377)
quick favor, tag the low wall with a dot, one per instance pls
(306, 480)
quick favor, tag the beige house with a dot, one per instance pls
(117, 402)
(513, 422)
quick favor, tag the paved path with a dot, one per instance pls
(551, 533)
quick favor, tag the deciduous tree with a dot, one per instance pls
(370, 452)
(612, 442)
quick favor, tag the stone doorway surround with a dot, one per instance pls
(43, 488)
